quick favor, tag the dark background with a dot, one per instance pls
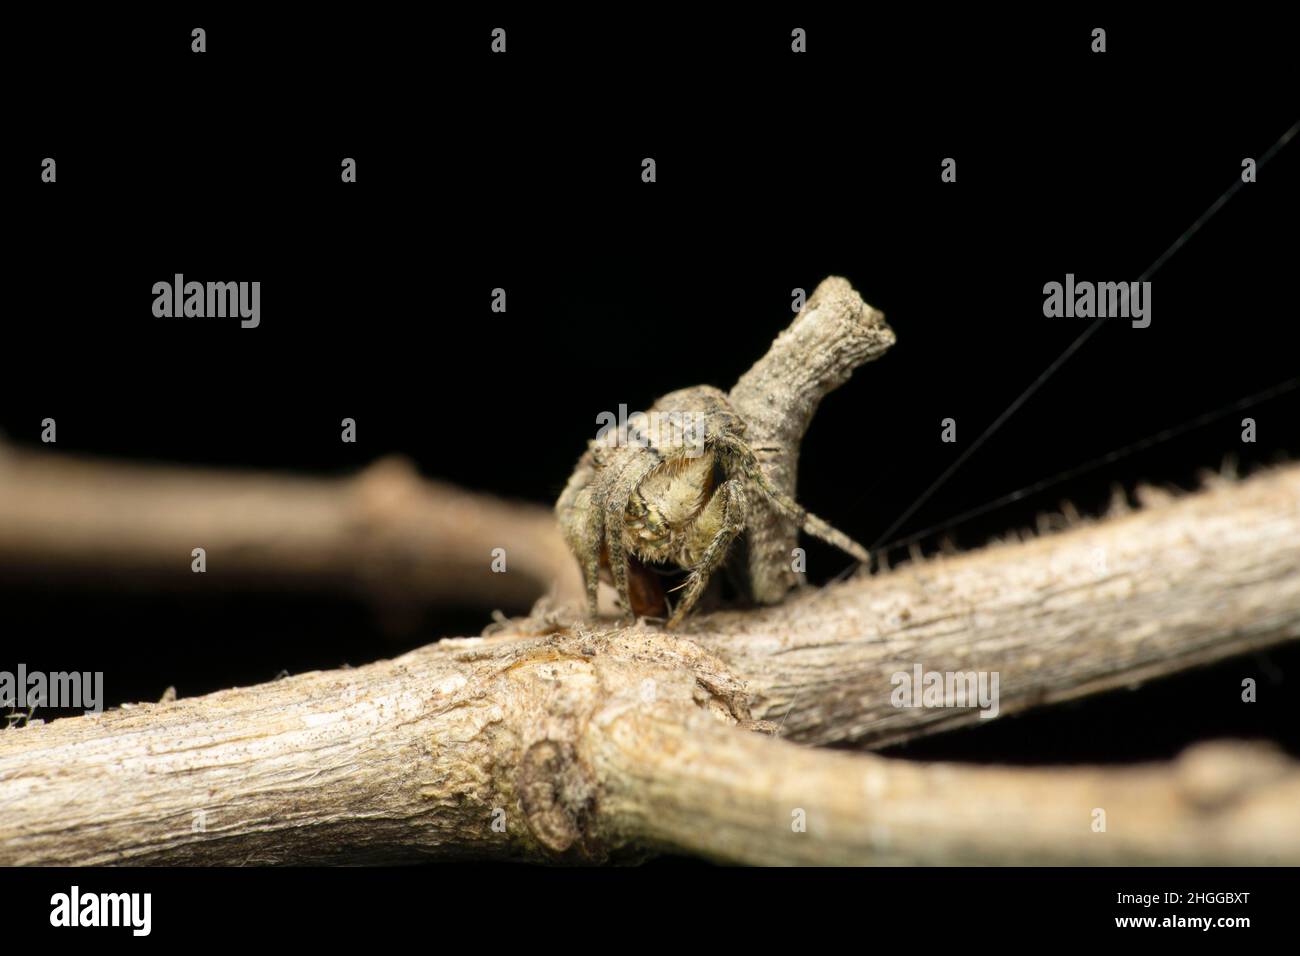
(774, 170)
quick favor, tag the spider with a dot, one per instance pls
(675, 494)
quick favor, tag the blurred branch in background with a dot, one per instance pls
(385, 535)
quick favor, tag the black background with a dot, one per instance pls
(523, 172)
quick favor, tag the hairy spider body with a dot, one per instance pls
(673, 491)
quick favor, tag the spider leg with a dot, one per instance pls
(591, 557)
(744, 460)
(615, 518)
(731, 495)
(618, 566)
(582, 519)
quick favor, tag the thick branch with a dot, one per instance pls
(741, 797)
(1183, 582)
(609, 743)
(582, 747)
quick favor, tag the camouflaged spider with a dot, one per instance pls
(673, 495)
